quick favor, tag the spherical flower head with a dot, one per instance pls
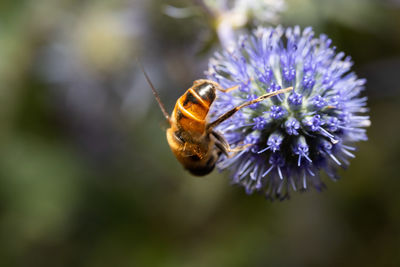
(288, 140)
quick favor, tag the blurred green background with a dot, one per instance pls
(87, 177)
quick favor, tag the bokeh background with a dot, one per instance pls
(87, 177)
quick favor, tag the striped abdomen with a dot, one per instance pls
(191, 109)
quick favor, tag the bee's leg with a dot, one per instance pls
(227, 89)
(223, 145)
(229, 113)
(217, 86)
(199, 81)
(231, 88)
(240, 148)
(220, 142)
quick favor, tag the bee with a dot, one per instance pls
(192, 138)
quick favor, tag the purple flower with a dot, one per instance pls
(293, 136)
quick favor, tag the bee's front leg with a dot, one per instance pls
(223, 145)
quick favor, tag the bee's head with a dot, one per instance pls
(205, 166)
(197, 158)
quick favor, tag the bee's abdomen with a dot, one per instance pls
(192, 108)
(190, 112)
(198, 99)
(194, 104)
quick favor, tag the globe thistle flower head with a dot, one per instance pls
(291, 138)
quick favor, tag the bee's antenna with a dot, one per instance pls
(155, 93)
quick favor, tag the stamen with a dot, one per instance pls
(334, 158)
(351, 155)
(280, 172)
(304, 180)
(268, 171)
(329, 135)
